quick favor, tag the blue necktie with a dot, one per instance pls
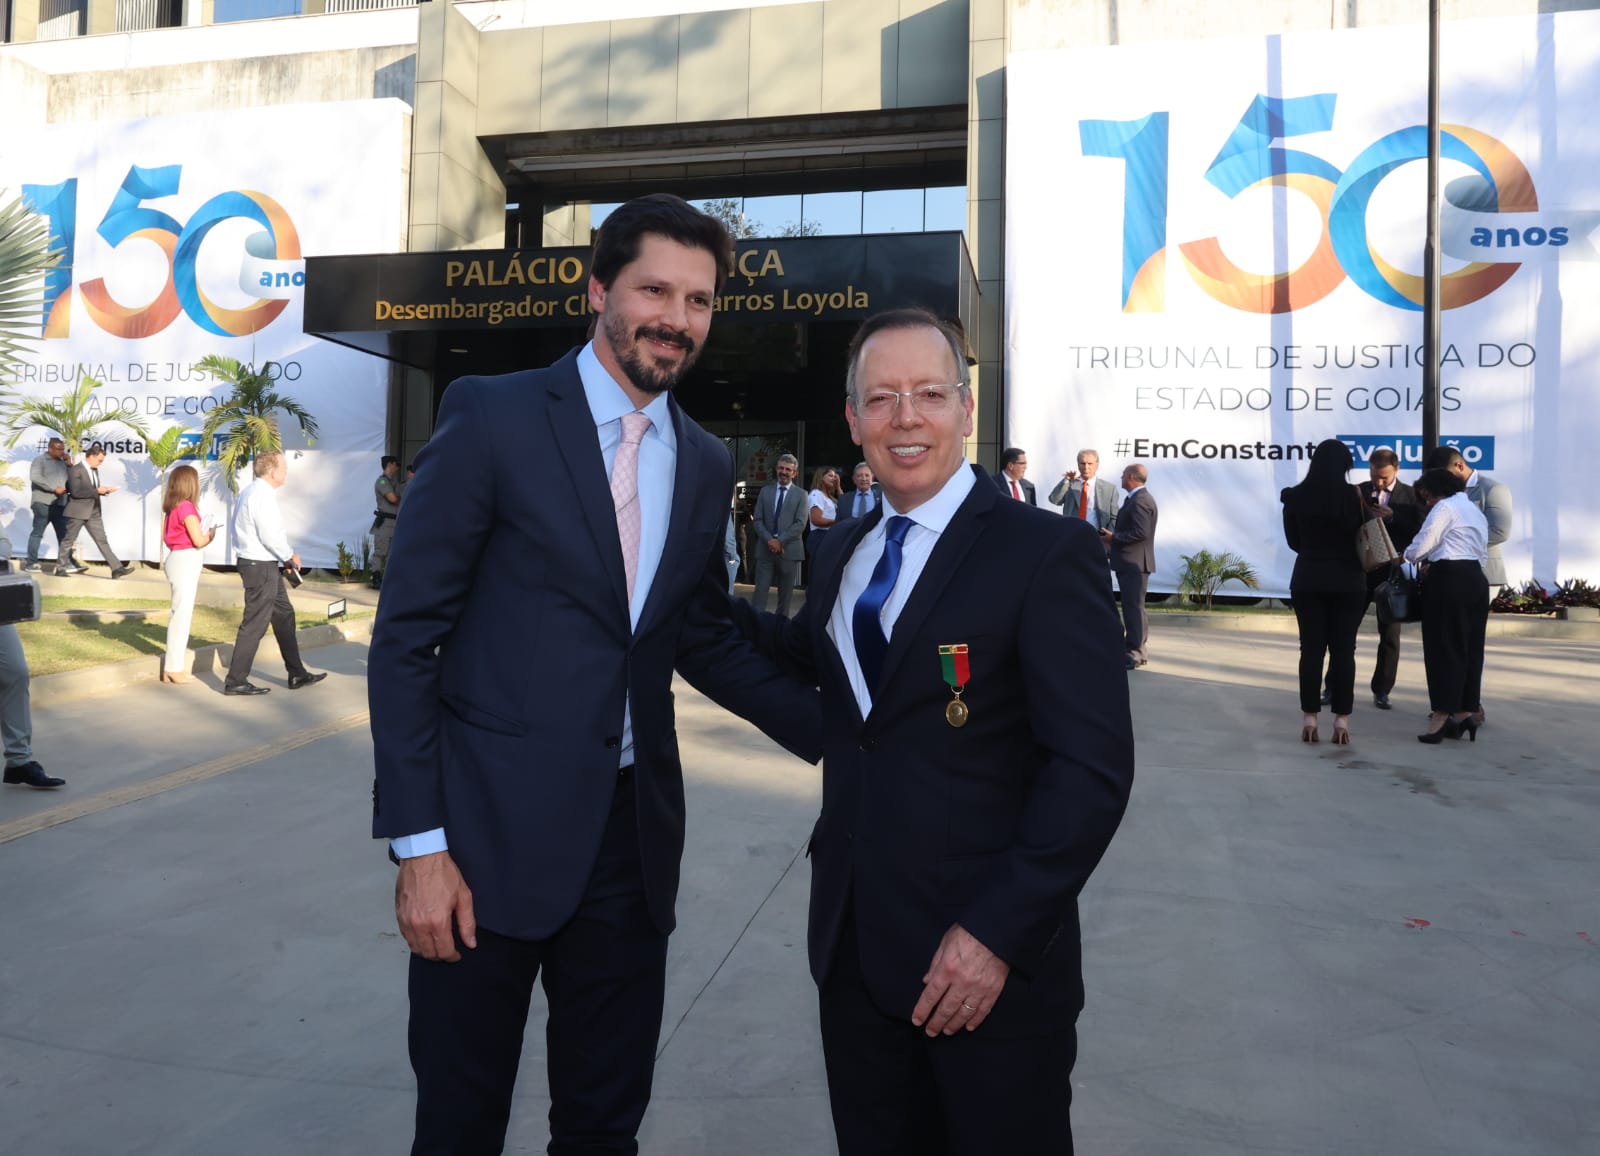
(871, 645)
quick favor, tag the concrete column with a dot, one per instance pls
(24, 20)
(989, 22)
(102, 17)
(457, 197)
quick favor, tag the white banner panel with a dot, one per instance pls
(185, 237)
(1214, 258)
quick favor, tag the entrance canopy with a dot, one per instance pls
(395, 305)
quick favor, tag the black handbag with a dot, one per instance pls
(1399, 597)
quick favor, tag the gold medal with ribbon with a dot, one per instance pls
(953, 659)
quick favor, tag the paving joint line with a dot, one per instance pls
(172, 780)
(732, 947)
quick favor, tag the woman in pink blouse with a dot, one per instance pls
(186, 539)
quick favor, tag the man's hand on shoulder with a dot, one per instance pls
(429, 898)
(961, 987)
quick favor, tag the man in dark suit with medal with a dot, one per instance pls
(978, 753)
(520, 686)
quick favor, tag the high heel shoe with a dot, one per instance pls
(1450, 730)
(1309, 735)
(1467, 726)
(176, 676)
(1341, 735)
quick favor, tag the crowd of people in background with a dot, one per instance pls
(1448, 524)
(777, 532)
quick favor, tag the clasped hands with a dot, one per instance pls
(961, 987)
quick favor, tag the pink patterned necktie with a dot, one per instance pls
(625, 491)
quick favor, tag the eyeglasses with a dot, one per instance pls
(928, 400)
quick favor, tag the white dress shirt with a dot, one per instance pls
(1455, 530)
(658, 466)
(258, 527)
(862, 497)
(928, 522)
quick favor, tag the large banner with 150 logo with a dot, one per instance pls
(1214, 259)
(184, 236)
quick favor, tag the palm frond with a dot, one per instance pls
(246, 418)
(25, 257)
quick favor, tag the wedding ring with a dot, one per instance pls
(968, 1006)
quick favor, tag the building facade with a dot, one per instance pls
(878, 120)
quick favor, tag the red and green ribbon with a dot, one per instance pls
(953, 659)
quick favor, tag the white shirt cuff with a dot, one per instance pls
(427, 843)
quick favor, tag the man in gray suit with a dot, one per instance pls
(1100, 508)
(780, 519)
(1132, 545)
(84, 492)
(1491, 497)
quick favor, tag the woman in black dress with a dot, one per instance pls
(1329, 589)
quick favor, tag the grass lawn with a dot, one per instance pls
(55, 644)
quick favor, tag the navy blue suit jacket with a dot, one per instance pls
(502, 654)
(997, 825)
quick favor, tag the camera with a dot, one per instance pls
(19, 596)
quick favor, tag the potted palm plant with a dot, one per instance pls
(1204, 572)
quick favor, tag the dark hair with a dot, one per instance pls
(1442, 458)
(411, 467)
(183, 485)
(1009, 455)
(1383, 457)
(95, 448)
(389, 460)
(914, 317)
(1439, 482)
(616, 245)
(1325, 492)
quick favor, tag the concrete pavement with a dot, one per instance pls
(1387, 948)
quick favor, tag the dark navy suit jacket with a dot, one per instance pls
(502, 654)
(997, 825)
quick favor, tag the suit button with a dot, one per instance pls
(613, 743)
(868, 746)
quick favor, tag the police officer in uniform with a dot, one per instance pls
(386, 496)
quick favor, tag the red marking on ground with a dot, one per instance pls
(1417, 924)
(1584, 935)
(1518, 933)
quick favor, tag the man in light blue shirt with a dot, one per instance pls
(263, 554)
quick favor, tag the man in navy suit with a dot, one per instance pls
(1131, 542)
(978, 754)
(561, 553)
(1013, 464)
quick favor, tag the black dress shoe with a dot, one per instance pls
(247, 688)
(1327, 697)
(1381, 701)
(32, 775)
(1132, 665)
(296, 681)
(122, 571)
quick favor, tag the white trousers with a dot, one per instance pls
(183, 573)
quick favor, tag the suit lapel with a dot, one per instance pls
(685, 479)
(952, 547)
(572, 423)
